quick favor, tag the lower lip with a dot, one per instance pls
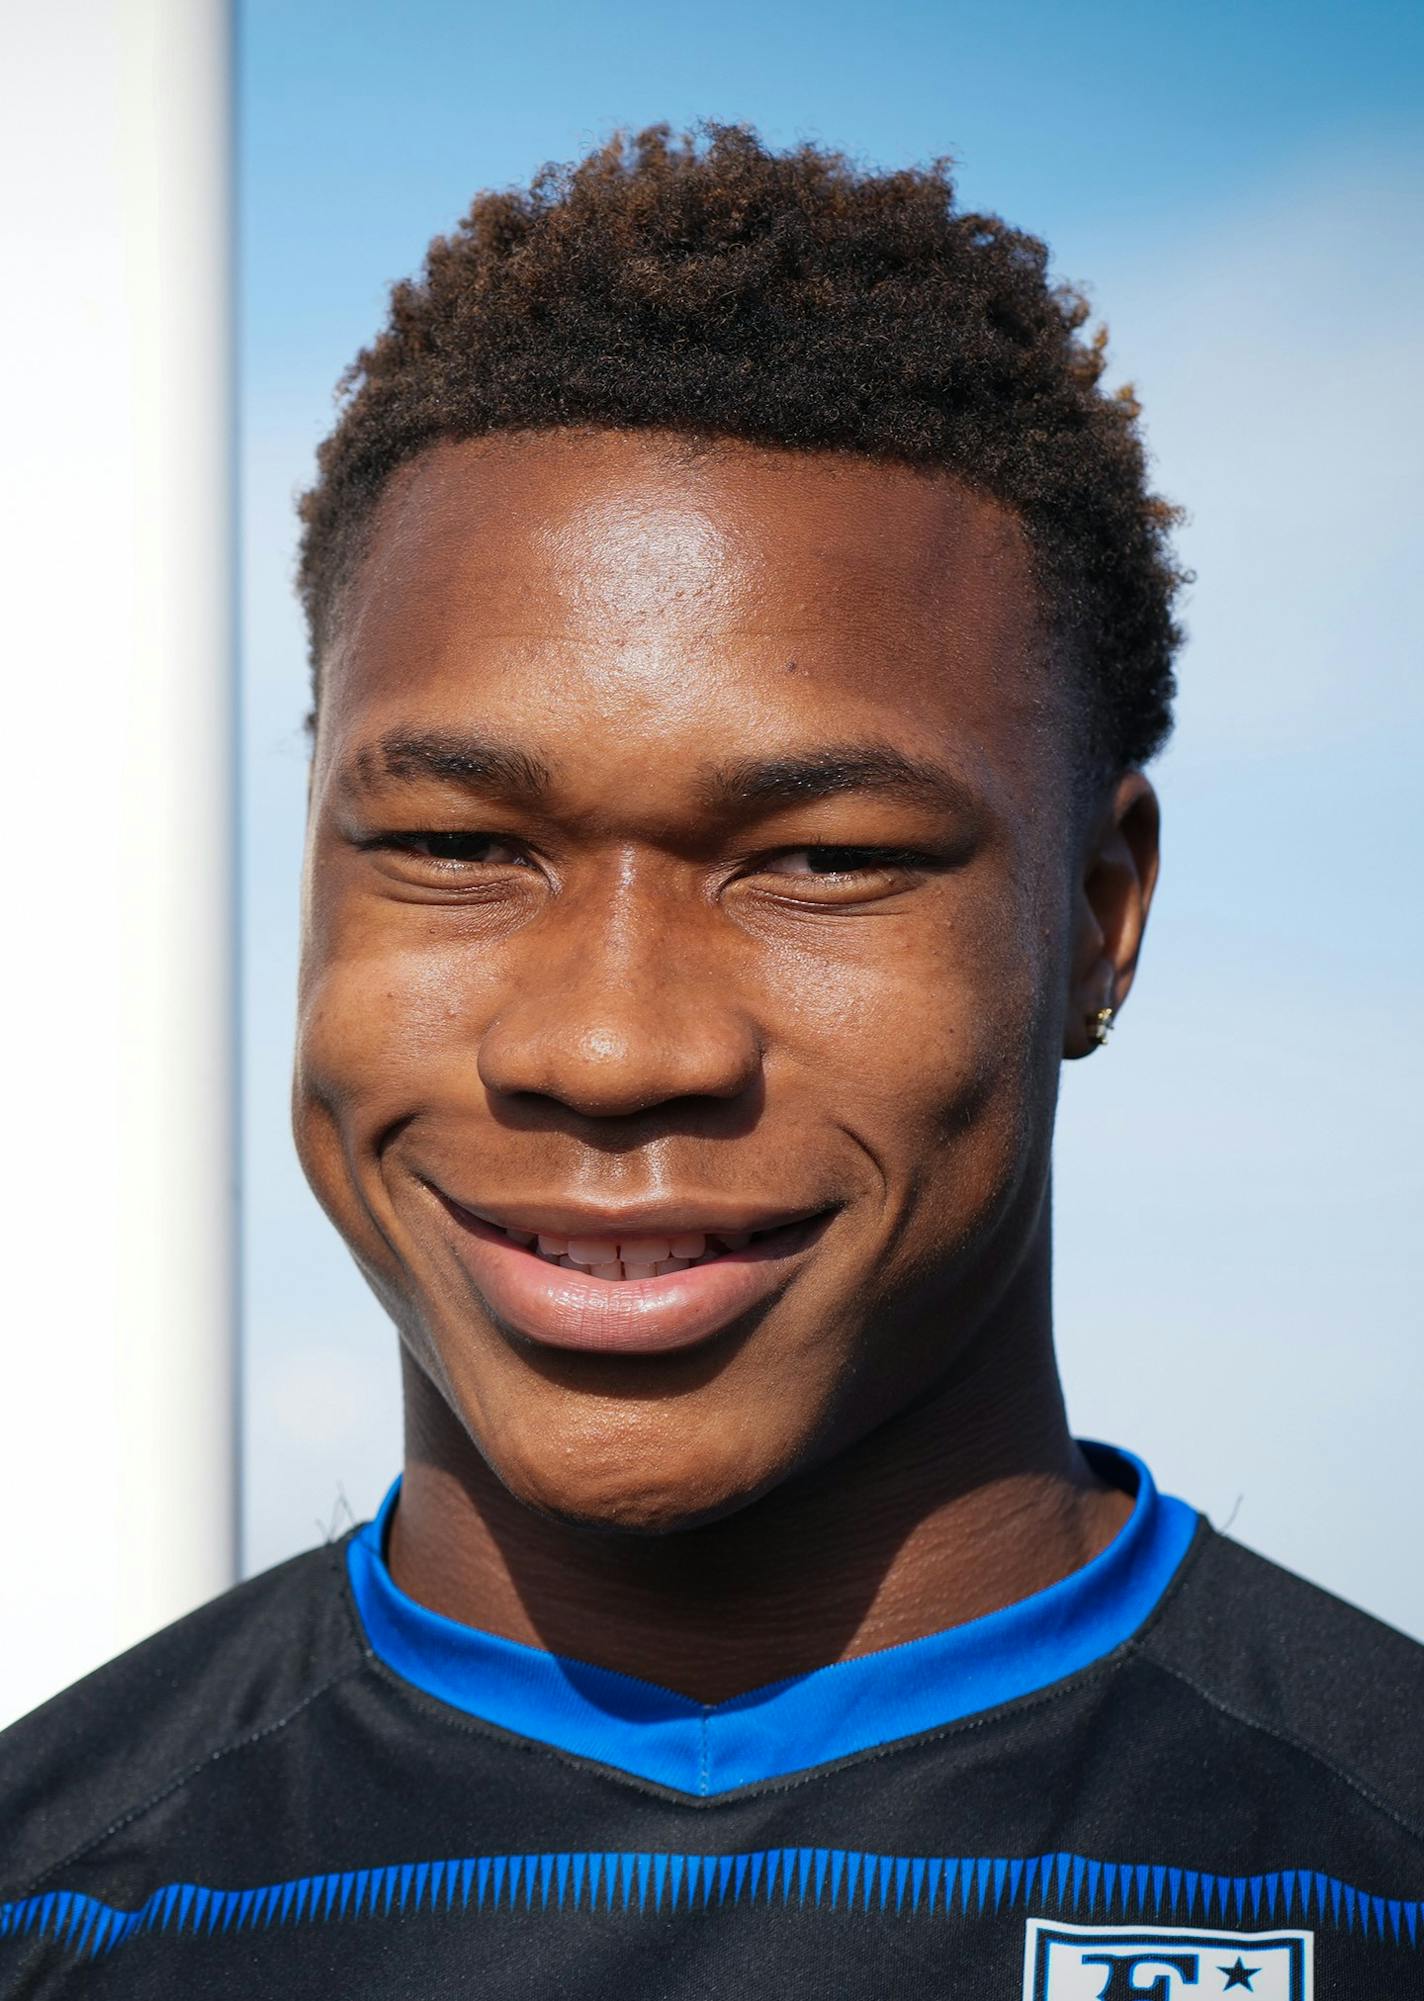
(632, 1316)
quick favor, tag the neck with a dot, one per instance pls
(969, 1501)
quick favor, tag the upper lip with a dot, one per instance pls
(657, 1219)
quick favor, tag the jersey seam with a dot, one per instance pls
(183, 1778)
(1288, 1738)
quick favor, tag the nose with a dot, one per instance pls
(618, 1013)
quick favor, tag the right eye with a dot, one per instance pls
(454, 850)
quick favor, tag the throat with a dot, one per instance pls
(907, 1533)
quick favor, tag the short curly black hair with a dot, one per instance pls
(709, 286)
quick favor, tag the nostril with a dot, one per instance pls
(637, 1054)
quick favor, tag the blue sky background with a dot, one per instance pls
(1240, 187)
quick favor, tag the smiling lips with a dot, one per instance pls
(625, 1292)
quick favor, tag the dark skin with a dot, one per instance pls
(708, 825)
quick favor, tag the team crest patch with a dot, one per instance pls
(1161, 1963)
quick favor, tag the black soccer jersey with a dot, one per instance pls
(1180, 1773)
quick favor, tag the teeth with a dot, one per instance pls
(632, 1257)
(619, 1268)
(644, 1250)
(593, 1251)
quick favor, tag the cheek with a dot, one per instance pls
(378, 1023)
(924, 1027)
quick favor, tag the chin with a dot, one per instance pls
(635, 1489)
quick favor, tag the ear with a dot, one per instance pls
(1111, 901)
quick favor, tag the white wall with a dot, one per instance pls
(117, 1486)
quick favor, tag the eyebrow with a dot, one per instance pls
(835, 769)
(480, 764)
(485, 764)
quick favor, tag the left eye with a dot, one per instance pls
(811, 863)
(458, 848)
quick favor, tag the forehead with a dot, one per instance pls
(621, 574)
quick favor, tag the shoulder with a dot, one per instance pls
(1285, 1659)
(106, 1749)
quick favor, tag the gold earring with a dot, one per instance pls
(1100, 1025)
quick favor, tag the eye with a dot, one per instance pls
(832, 861)
(454, 850)
(845, 873)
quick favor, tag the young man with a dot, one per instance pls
(739, 625)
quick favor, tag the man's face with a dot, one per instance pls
(692, 857)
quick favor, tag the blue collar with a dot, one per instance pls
(786, 1726)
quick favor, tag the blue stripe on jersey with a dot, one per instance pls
(644, 1884)
(786, 1726)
